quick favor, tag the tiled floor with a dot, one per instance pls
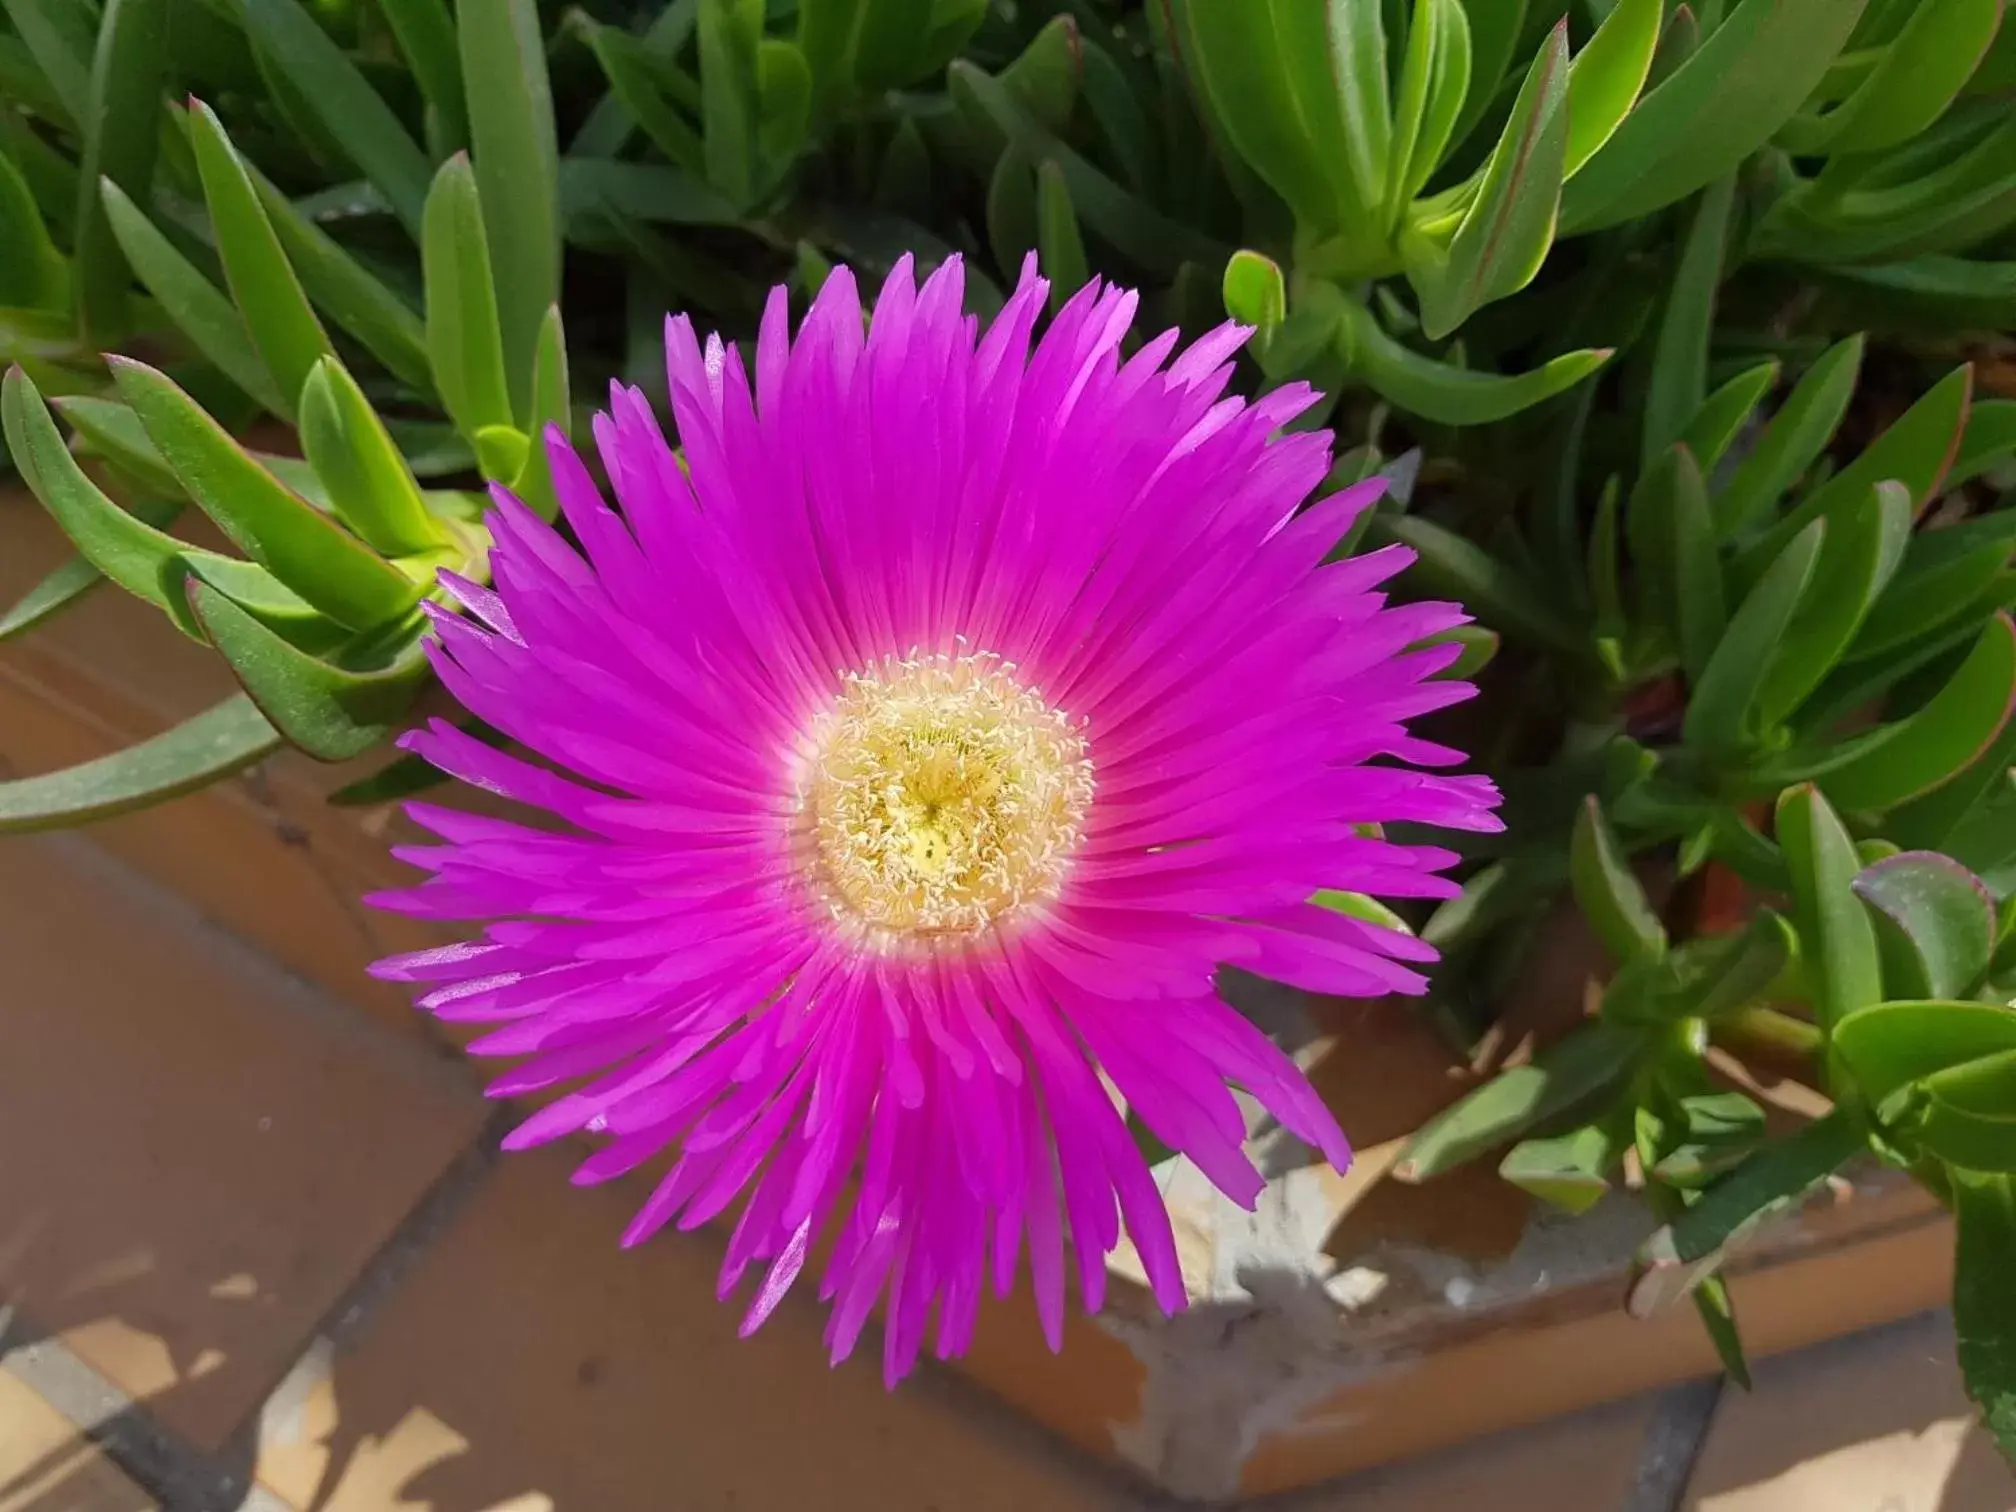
(288, 1278)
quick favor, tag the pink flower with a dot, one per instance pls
(921, 748)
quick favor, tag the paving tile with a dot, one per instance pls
(217, 1150)
(46, 1465)
(528, 1363)
(1875, 1423)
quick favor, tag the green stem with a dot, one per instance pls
(1769, 1030)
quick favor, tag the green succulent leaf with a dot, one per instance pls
(224, 739)
(1503, 235)
(112, 431)
(1747, 78)
(122, 131)
(1452, 395)
(1918, 74)
(463, 337)
(551, 406)
(1678, 386)
(1255, 294)
(1607, 76)
(1887, 1047)
(343, 103)
(1608, 891)
(1057, 236)
(1688, 1250)
(1917, 451)
(1932, 746)
(1796, 437)
(1570, 1171)
(277, 313)
(426, 35)
(203, 314)
(1984, 1312)
(516, 164)
(1574, 1072)
(303, 549)
(1445, 562)
(74, 578)
(1720, 718)
(370, 486)
(1358, 85)
(1935, 923)
(1838, 941)
(1722, 415)
(330, 713)
(1434, 81)
(33, 274)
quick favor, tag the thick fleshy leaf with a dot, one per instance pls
(462, 331)
(340, 98)
(1678, 385)
(1452, 395)
(1988, 441)
(1942, 739)
(1917, 75)
(1722, 415)
(1044, 77)
(1131, 225)
(305, 550)
(1796, 437)
(1495, 29)
(1571, 1171)
(224, 739)
(1729, 98)
(1889, 1046)
(122, 131)
(1719, 717)
(1679, 571)
(330, 713)
(1608, 891)
(1503, 235)
(730, 94)
(1057, 236)
(550, 406)
(635, 81)
(1943, 575)
(1984, 1304)
(516, 163)
(1838, 943)
(33, 274)
(277, 313)
(66, 584)
(426, 35)
(1255, 294)
(1968, 1117)
(202, 313)
(344, 291)
(1358, 83)
(1717, 1310)
(1866, 536)
(1434, 81)
(1607, 75)
(370, 486)
(1676, 1259)
(1915, 451)
(112, 431)
(1576, 1071)
(58, 37)
(126, 550)
(1447, 563)
(1935, 923)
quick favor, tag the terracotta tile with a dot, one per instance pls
(46, 1465)
(1584, 1463)
(1877, 1423)
(530, 1363)
(218, 1150)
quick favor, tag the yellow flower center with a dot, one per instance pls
(940, 796)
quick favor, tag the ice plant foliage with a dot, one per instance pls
(922, 738)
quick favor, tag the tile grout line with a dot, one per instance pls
(183, 1478)
(1673, 1440)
